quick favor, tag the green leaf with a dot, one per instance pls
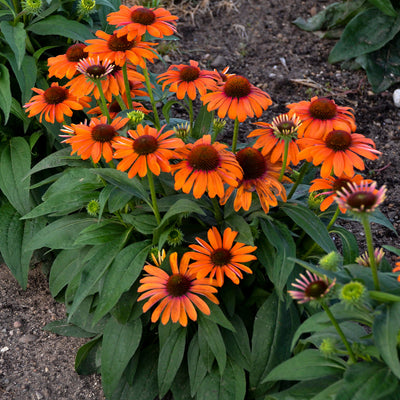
(68, 28)
(170, 359)
(218, 316)
(276, 263)
(17, 110)
(366, 32)
(15, 162)
(123, 272)
(385, 6)
(118, 199)
(238, 344)
(66, 265)
(349, 244)
(15, 37)
(85, 360)
(14, 234)
(383, 297)
(196, 367)
(120, 342)
(101, 232)
(210, 333)
(239, 224)
(367, 381)
(167, 108)
(62, 233)
(308, 364)
(62, 327)
(230, 386)
(385, 330)
(273, 329)
(5, 92)
(311, 224)
(94, 269)
(120, 179)
(203, 123)
(143, 222)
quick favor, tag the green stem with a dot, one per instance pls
(334, 217)
(217, 210)
(127, 87)
(103, 103)
(121, 102)
(235, 135)
(190, 102)
(153, 196)
(150, 93)
(339, 331)
(303, 171)
(284, 161)
(370, 247)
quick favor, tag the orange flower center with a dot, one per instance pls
(237, 86)
(338, 140)
(96, 71)
(221, 257)
(341, 183)
(204, 157)
(189, 73)
(75, 52)
(145, 144)
(316, 289)
(143, 16)
(252, 163)
(178, 285)
(362, 200)
(116, 43)
(55, 95)
(323, 109)
(103, 133)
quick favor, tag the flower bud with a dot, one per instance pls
(331, 261)
(352, 293)
(93, 208)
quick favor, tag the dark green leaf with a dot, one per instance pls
(94, 269)
(85, 360)
(69, 29)
(169, 361)
(385, 329)
(5, 92)
(367, 381)
(311, 224)
(197, 368)
(218, 316)
(366, 32)
(349, 244)
(239, 224)
(308, 364)
(15, 37)
(119, 344)
(15, 163)
(101, 232)
(274, 326)
(143, 222)
(123, 272)
(203, 123)
(62, 233)
(385, 6)
(210, 333)
(64, 328)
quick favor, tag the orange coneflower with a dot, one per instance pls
(146, 147)
(272, 138)
(110, 75)
(331, 185)
(397, 269)
(220, 256)
(205, 167)
(338, 151)
(94, 140)
(119, 49)
(361, 198)
(177, 293)
(64, 65)
(237, 98)
(137, 20)
(259, 175)
(185, 79)
(54, 103)
(321, 116)
(114, 108)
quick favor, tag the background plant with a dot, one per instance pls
(369, 37)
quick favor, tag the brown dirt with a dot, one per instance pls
(257, 40)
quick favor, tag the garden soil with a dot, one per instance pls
(258, 40)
